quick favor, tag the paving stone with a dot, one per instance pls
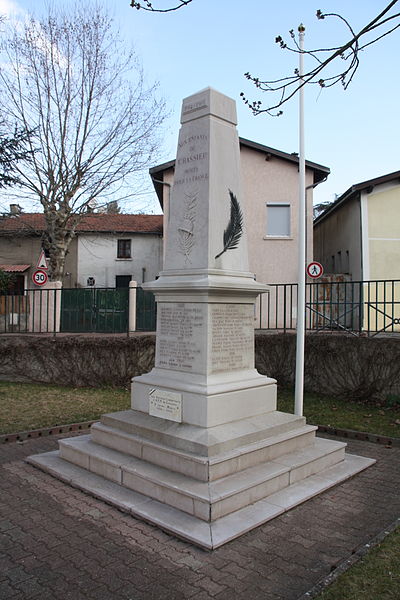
(60, 544)
(210, 586)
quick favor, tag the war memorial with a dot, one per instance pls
(203, 453)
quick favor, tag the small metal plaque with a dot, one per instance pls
(165, 404)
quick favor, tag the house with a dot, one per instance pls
(357, 239)
(270, 180)
(359, 234)
(270, 188)
(108, 250)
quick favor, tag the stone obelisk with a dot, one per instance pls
(204, 369)
(203, 453)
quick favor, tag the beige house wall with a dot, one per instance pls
(383, 232)
(273, 259)
(381, 251)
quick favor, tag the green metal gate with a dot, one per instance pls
(98, 310)
(145, 310)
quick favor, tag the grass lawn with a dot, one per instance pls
(375, 577)
(26, 406)
(334, 412)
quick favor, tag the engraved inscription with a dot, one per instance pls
(191, 162)
(165, 404)
(179, 336)
(190, 107)
(232, 337)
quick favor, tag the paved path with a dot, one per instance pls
(58, 543)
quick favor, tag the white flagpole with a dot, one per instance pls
(301, 288)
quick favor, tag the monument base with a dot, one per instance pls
(206, 485)
(207, 401)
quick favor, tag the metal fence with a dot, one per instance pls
(357, 307)
(78, 310)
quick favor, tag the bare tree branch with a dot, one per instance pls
(95, 121)
(146, 5)
(287, 87)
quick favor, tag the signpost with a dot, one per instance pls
(39, 277)
(315, 270)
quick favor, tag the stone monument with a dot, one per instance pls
(203, 453)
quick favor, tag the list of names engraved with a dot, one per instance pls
(179, 336)
(232, 337)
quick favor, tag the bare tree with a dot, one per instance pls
(68, 78)
(347, 55)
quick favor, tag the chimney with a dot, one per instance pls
(15, 209)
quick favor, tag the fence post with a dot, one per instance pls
(45, 312)
(132, 306)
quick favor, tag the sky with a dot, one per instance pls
(214, 43)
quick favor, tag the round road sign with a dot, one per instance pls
(315, 270)
(39, 277)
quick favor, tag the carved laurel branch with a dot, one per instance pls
(185, 229)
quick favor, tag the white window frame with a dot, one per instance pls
(279, 236)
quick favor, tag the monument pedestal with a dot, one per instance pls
(204, 453)
(204, 368)
(205, 485)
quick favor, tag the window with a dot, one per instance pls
(278, 220)
(124, 249)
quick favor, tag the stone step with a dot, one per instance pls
(201, 467)
(207, 501)
(204, 534)
(199, 440)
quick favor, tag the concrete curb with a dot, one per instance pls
(360, 435)
(22, 436)
(349, 562)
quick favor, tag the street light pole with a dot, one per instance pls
(301, 286)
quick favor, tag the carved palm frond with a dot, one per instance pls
(234, 229)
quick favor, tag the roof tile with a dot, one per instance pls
(93, 222)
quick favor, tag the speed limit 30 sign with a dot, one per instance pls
(39, 277)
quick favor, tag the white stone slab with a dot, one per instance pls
(315, 484)
(204, 441)
(192, 529)
(197, 466)
(319, 456)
